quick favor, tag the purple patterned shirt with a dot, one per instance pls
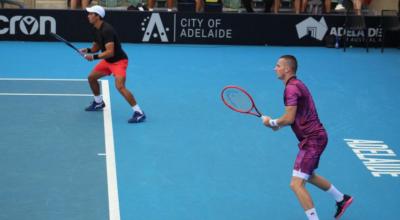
(306, 123)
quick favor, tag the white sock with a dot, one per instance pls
(98, 98)
(136, 108)
(337, 195)
(150, 9)
(312, 214)
(169, 9)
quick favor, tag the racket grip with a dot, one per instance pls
(263, 117)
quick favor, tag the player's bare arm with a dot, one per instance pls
(109, 52)
(95, 48)
(285, 119)
(288, 117)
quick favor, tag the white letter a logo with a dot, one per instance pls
(155, 20)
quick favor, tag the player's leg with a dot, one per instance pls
(93, 78)
(319, 182)
(297, 184)
(303, 168)
(120, 85)
(326, 186)
(138, 114)
(119, 70)
(314, 147)
(343, 201)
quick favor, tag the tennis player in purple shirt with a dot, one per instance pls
(301, 115)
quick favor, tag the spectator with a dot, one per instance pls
(199, 5)
(339, 6)
(170, 4)
(277, 5)
(268, 5)
(301, 5)
(355, 5)
(75, 4)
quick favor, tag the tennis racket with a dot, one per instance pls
(59, 38)
(239, 100)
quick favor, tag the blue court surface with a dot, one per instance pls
(193, 159)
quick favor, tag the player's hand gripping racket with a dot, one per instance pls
(239, 100)
(58, 37)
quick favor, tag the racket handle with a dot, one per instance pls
(263, 117)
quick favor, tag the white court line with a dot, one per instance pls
(42, 94)
(40, 79)
(113, 200)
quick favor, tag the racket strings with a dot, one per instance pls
(238, 100)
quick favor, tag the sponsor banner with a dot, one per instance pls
(191, 28)
(202, 28)
(34, 25)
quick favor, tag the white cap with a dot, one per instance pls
(98, 10)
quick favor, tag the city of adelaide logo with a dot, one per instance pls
(310, 26)
(166, 28)
(203, 28)
(148, 25)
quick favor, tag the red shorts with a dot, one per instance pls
(117, 68)
(307, 159)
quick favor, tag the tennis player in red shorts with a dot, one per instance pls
(107, 47)
(301, 115)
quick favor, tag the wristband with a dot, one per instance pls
(273, 122)
(96, 57)
(88, 50)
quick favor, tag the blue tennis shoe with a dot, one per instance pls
(95, 106)
(137, 117)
